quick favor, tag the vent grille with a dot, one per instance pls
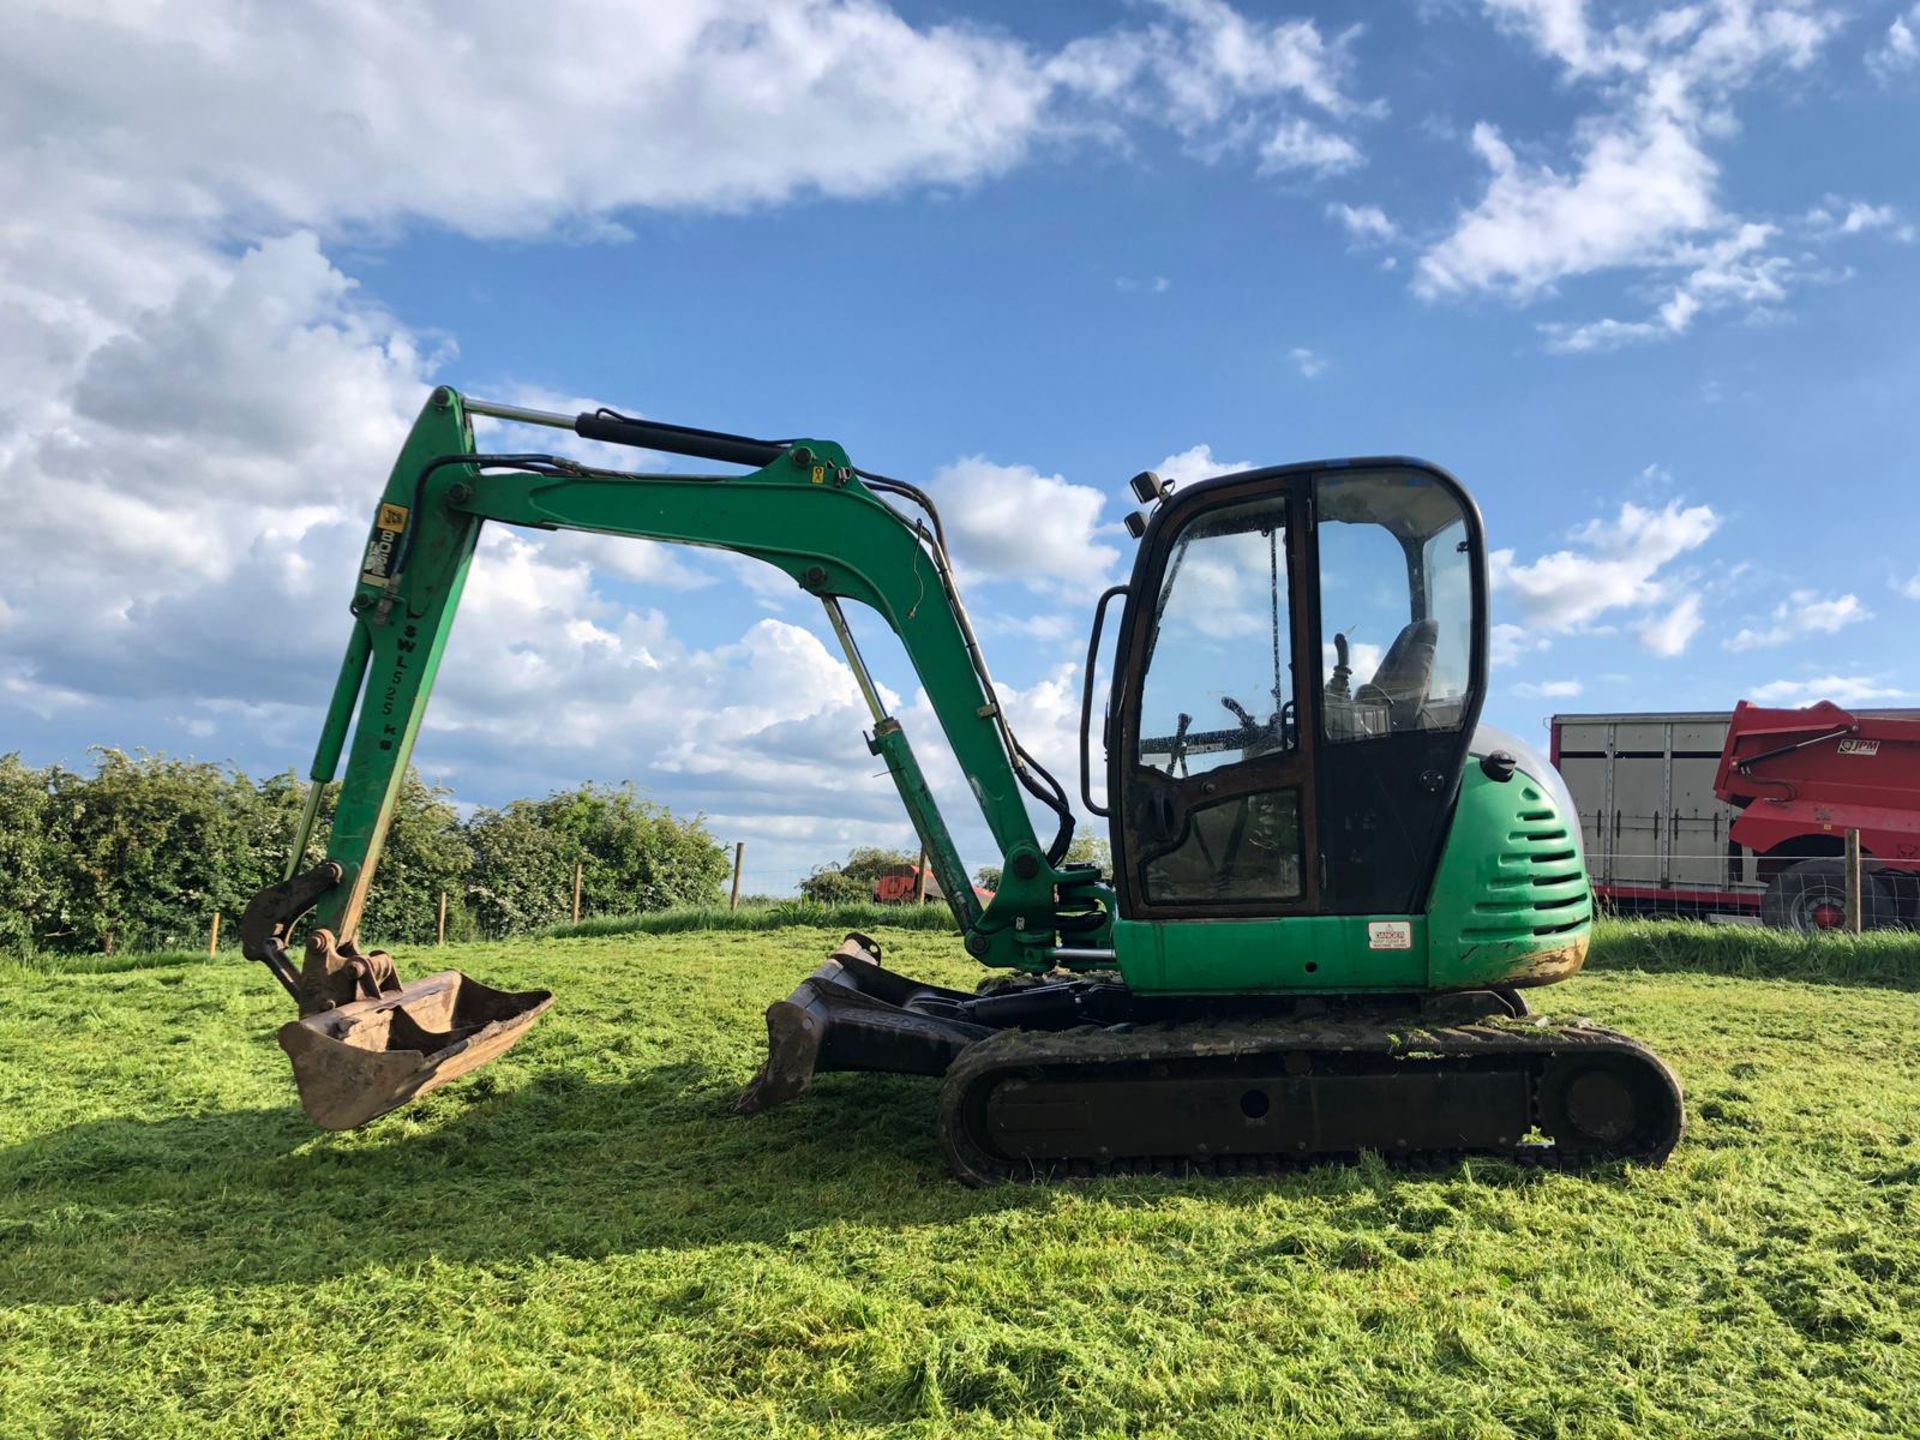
(1538, 889)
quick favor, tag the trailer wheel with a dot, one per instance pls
(1813, 896)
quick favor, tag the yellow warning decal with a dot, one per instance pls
(819, 474)
(392, 517)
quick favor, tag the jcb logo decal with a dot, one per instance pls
(387, 526)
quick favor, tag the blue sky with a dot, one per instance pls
(1643, 275)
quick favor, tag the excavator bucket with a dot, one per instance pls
(362, 1059)
(364, 1042)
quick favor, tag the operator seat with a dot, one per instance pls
(1406, 672)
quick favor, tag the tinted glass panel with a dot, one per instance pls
(1220, 672)
(1396, 605)
(1246, 848)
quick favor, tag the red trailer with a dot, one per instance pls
(1746, 813)
(1801, 779)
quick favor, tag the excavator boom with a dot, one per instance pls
(805, 509)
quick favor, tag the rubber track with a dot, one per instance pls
(1056, 1054)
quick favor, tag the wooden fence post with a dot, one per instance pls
(576, 892)
(920, 879)
(1854, 906)
(739, 855)
(213, 940)
(441, 934)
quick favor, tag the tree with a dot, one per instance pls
(1091, 850)
(830, 885)
(634, 856)
(852, 879)
(522, 877)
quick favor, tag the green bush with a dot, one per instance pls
(138, 855)
(144, 850)
(427, 853)
(28, 888)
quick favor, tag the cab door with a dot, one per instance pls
(1212, 761)
(1298, 675)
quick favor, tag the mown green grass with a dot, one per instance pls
(583, 1240)
(931, 916)
(1880, 957)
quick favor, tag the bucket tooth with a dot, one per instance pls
(362, 1059)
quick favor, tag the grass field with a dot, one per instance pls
(583, 1239)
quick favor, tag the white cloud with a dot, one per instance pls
(1841, 689)
(1910, 588)
(1197, 463)
(1010, 522)
(1363, 659)
(1898, 52)
(1613, 565)
(1642, 192)
(1309, 363)
(1157, 285)
(1655, 477)
(1299, 144)
(1668, 634)
(1047, 628)
(205, 474)
(1733, 271)
(1802, 613)
(1364, 224)
(316, 115)
(1203, 64)
(1549, 689)
(1637, 190)
(1510, 644)
(1862, 216)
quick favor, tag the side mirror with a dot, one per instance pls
(1086, 701)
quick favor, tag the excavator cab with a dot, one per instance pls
(1298, 674)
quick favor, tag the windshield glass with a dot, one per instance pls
(1220, 674)
(1396, 604)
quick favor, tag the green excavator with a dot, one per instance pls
(1328, 894)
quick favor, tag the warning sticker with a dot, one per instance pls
(392, 517)
(1859, 747)
(1389, 935)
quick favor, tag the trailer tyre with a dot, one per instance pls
(1813, 896)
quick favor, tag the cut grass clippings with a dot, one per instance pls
(584, 1240)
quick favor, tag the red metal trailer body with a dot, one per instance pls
(1746, 813)
(1801, 779)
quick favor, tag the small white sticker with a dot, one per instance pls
(1389, 935)
(1859, 747)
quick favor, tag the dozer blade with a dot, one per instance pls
(362, 1059)
(854, 1014)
